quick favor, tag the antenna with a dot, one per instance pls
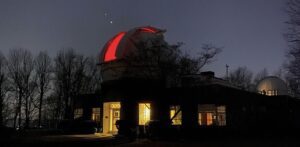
(227, 66)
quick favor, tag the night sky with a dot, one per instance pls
(251, 31)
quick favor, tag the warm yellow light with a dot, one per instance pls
(176, 120)
(209, 118)
(96, 114)
(200, 118)
(144, 113)
(111, 113)
(147, 114)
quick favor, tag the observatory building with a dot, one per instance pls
(272, 86)
(199, 101)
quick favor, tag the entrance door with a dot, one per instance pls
(111, 113)
(115, 112)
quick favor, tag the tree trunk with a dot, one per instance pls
(1, 109)
(26, 113)
(15, 117)
(40, 107)
(19, 108)
(67, 108)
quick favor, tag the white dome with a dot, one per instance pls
(272, 86)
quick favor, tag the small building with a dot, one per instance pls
(199, 101)
(272, 86)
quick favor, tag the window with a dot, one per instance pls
(78, 113)
(200, 119)
(96, 114)
(272, 92)
(144, 113)
(210, 114)
(175, 115)
(269, 92)
(209, 119)
(221, 111)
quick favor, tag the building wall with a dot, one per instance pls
(244, 110)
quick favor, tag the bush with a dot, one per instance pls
(159, 129)
(125, 128)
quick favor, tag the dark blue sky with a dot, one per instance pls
(249, 30)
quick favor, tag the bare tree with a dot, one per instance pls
(260, 75)
(153, 59)
(281, 73)
(241, 77)
(293, 38)
(92, 78)
(69, 74)
(3, 85)
(156, 59)
(43, 69)
(189, 65)
(20, 68)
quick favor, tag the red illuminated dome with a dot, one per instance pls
(123, 43)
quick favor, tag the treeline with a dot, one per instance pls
(244, 78)
(39, 90)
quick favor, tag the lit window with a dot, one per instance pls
(175, 115)
(221, 115)
(115, 106)
(200, 119)
(78, 113)
(144, 113)
(270, 92)
(209, 119)
(96, 114)
(210, 114)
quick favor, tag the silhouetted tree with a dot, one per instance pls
(293, 38)
(193, 65)
(43, 67)
(156, 59)
(3, 85)
(281, 73)
(92, 76)
(20, 68)
(69, 78)
(260, 75)
(241, 77)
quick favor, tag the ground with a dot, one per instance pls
(101, 140)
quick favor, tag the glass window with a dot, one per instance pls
(270, 92)
(78, 113)
(175, 115)
(96, 114)
(200, 119)
(210, 114)
(221, 111)
(144, 113)
(209, 119)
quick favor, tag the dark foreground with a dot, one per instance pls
(93, 140)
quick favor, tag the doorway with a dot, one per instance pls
(111, 113)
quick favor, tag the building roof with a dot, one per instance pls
(124, 42)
